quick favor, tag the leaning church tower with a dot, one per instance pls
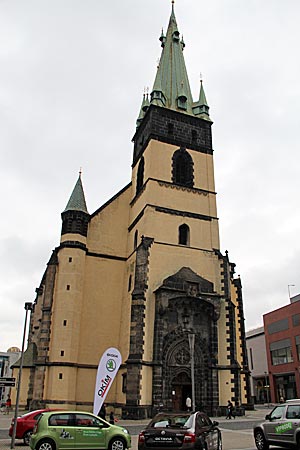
(144, 273)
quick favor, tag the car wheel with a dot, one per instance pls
(260, 440)
(298, 442)
(115, 444)
(27, 436)
(45, 444)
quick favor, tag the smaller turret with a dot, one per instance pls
(201, 108)
(75, 217)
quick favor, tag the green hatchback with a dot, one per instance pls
(63, 430)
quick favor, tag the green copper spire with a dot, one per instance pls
(201, 108)
(77, 199)
(171, 87)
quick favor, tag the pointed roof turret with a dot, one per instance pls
(75, 217)
(143, 110)
(171, 78)
(201, 108)
(77, 199)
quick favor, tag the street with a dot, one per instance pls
(236, 433)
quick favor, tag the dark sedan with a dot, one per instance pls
(184, 431)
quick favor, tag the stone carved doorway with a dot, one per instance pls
(185, 304)
(181, 389)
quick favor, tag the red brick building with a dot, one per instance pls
(282, 334)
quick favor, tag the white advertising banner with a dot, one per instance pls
(108, 367)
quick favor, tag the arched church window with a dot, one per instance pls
(135, 240)
(140, 175)
(182, 168)
(184, 235)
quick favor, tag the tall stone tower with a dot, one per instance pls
(144, 273)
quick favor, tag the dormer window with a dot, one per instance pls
(176, 36)
(182, 102)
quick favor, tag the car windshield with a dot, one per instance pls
(174, 421)
(277, 413)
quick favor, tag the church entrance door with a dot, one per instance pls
(181, 389)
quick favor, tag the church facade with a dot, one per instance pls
(145, 274)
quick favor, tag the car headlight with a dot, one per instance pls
(125, 431)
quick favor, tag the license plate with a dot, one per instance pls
(163, 439)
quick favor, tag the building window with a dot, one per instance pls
(64, 323)
(281, 352)
(140, 175)
(129, 283)
(124, 383)
(60, 376)
(70, 259)
(296, 320)
(297, 339)
(68, 287)
(62, 353)
(280, 325)
(184, 235)
(135, 240)
(182, 168)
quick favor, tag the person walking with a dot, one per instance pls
(188, 403)
(102, 412)
(111, 418)
(229, 410)
(8, 405)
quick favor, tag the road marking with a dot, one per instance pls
(237, 431)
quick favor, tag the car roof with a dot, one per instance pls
(173, 414)
(36, 411)
(293, 400)
(65, 411)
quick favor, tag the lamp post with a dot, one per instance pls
(267, 388)
(28, 307)
(192, 347)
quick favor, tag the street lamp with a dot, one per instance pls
(289, 285)
(267, 388)
(192, 347)
(28, 307)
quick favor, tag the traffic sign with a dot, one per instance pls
(7, 381)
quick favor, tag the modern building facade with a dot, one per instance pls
(7, 359)
(144, 272)
(282, 332)
(258, 365)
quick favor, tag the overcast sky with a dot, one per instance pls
(72, 74)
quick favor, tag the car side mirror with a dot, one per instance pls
(215, 423)
(268, 417)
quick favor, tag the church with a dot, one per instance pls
(144, 274)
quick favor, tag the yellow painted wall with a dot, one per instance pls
(108, 229)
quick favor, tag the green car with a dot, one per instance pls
(77, 430)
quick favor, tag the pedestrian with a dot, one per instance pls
(8, 405)
(102, 412)
(111, 418)
(229, 410)
(188, 403)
